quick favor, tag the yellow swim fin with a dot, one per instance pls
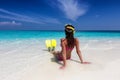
(53, 44)
(48, 44)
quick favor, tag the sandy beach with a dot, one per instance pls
(29, 60)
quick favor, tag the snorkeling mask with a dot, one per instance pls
(69, 28)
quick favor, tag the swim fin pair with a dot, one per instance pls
(51, 44)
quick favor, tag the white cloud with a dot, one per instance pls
(72, 8)
(13, 23)
(18, 17)
(12, 13)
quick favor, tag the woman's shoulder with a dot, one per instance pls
(62, 39)
(76, 40)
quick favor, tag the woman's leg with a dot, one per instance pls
(55, 52)
(57, 55)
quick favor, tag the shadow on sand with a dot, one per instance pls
(74, 60)
(54, 59)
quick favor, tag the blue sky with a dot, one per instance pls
(54, 14)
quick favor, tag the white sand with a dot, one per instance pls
(29, 60)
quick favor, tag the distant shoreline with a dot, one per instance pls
(63, 30)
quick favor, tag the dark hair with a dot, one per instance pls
(69, 36)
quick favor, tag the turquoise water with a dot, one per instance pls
(11, 35)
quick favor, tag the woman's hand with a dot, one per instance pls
(62, 67)
(86, 62)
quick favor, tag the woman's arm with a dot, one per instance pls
(63, 52)
(78, 50)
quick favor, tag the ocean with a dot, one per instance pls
(19, 38)
(9, 40)
(15, 35)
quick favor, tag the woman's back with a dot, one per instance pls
(67, 48)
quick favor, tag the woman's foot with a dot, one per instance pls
(86, 62)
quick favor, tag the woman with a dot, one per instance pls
(67, 45)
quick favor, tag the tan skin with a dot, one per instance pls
(67, 53)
